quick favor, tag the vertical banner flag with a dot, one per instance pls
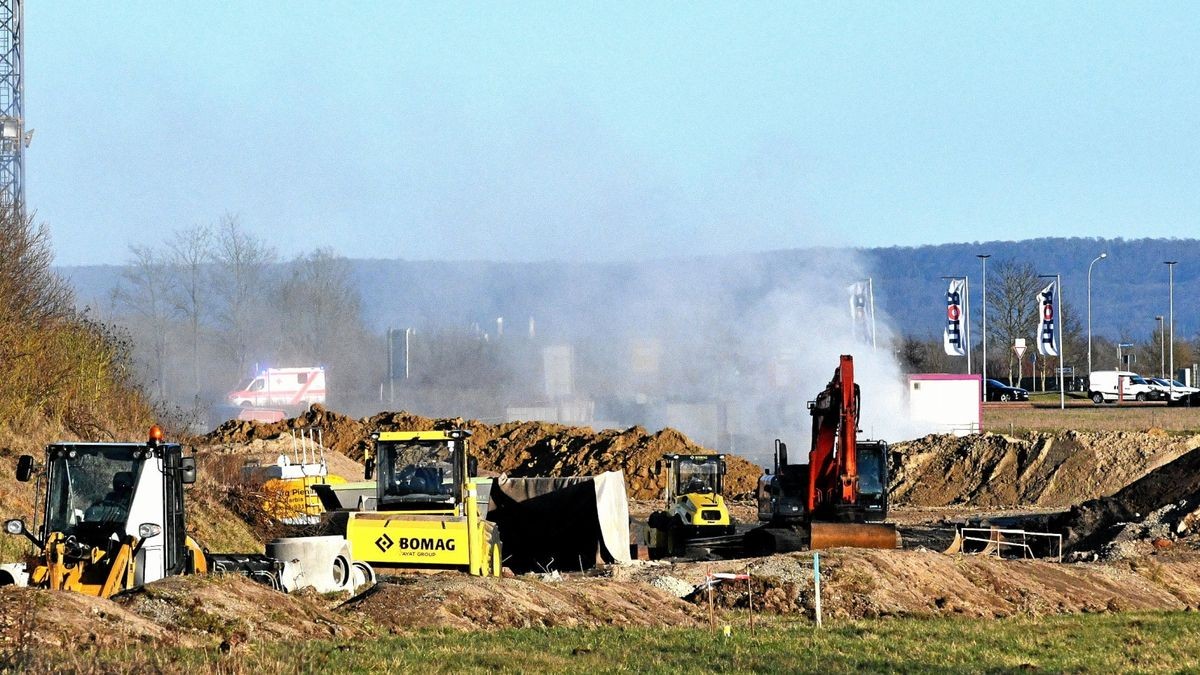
(1047, 339)
(858, 309)
(952, 337)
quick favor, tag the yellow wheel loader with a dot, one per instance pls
(426, 512)
(112, 519)
(695, 505)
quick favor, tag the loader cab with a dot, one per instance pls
(100, 496)
(420, 470)
(695, 474)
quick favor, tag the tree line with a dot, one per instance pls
(1012, 313)
(211, 303)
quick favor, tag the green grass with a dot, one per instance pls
(1092, 643)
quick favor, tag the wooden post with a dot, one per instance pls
(750, 593)
(712, 618)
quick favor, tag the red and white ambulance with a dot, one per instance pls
(281, 386)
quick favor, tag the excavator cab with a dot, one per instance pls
(873, 481)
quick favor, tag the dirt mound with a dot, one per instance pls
(860, 583)
(995, 470)
(338, 432)
(267, 452)
(1154, 511)
(210, 609)
(453, 601)
(192, 611)
(515, 448)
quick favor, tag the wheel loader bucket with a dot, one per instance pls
(853, 535)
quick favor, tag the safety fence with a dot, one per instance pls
(1001, 543)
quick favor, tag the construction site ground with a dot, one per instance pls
(1125, 501)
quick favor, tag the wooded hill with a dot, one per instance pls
(1129, 288)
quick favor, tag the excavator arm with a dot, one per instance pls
(833, 459)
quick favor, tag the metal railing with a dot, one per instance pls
(999, 541)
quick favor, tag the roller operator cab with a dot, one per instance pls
(426, 511)
(695, 502)
(111, 516)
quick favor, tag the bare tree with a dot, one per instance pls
(30, 292)
(191, 255)
(241, 278)
(145, 290)
(1011, 312)
(318, 303)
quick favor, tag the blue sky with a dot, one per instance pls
(609, 131)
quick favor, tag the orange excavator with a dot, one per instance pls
(839, 498)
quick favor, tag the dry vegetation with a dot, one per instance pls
(59, 367)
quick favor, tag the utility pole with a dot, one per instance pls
(983, 257)
(1171, 321)
(13, 139)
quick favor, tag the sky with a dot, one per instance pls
(609, 131)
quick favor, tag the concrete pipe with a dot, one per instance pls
(321, 563)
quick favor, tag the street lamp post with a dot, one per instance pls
(983, 257)
(1102, 256)
(1162, 350)
(1171, 321)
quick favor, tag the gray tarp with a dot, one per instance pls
(561, 523)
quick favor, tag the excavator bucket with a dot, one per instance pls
(853, 535)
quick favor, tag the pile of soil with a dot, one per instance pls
(1047, 469)
(266, 453)
(514, 448)
(1153, 512)
(863, 583)
(186, 611)
(401, 604)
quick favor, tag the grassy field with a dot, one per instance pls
(1091, 643)
(1081, 415)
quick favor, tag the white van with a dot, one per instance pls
(1106, 385)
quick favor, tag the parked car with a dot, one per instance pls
(1175, 391)
(1159, 391)
(998, 391)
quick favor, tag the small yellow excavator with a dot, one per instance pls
(426, 511)
(696, 507)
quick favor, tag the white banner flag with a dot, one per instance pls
(1047, 338)
(952, 337)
